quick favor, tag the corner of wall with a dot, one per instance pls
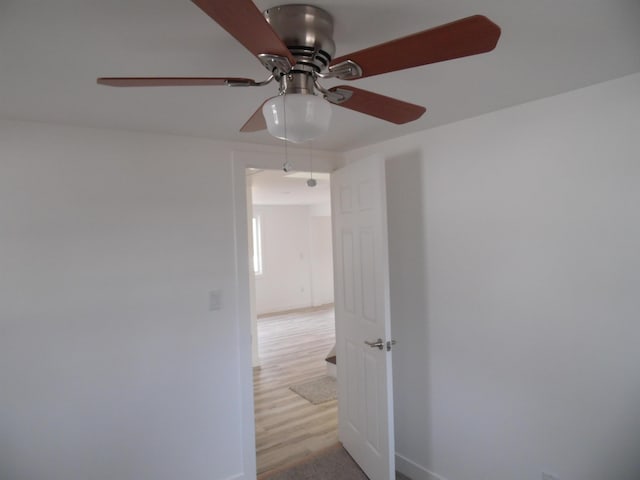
(413, 470)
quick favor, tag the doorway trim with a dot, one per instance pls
(240, 161)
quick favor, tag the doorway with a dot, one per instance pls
(357, 186)
(294, 326)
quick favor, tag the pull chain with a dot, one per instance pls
(312, 181)
(287, 166)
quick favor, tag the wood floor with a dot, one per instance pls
(293, 347)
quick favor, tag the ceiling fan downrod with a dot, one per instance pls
(307, 31)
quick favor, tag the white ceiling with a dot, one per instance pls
(51, 52)
(274, 187)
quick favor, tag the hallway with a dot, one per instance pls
(293, 347)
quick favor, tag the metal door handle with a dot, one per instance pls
(379, 343)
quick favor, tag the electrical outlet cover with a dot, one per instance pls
(215, 300)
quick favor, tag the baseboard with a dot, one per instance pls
(301, 309)
(239, 476)
(413, 470)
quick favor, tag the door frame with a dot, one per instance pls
(240, 161)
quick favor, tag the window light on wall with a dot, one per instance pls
(257, 246)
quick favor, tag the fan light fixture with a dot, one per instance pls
(297, 117)
(295, 44)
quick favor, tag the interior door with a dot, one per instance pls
(365, 408)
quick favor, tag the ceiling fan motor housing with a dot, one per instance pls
(307, 31)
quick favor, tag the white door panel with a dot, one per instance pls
(362, 314)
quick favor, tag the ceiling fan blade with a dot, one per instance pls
(170, 81)
(468, 36)
(243, 20)
(256, 122)
(379, 106)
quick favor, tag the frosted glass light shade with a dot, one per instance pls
(307, 116)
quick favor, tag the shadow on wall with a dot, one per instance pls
(407, 271)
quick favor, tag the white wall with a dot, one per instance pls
(284, 283)
(321, 260)
(515, 264)
(110, 244)
(111, 364)
(293, 244)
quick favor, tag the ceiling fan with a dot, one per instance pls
(295, 43)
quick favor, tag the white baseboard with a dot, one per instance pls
(239, 476)
(413, 470)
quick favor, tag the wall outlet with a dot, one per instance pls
(549, 476)
(215, 300)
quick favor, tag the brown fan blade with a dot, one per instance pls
(243, 20)
(256, 122)
(171, 81)
(379, 106)
(468, 36)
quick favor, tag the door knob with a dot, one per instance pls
(379, 344)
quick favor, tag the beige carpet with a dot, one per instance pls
(334, 463)
(317, 391)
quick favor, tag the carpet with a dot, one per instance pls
(334, 463)
(317, 391)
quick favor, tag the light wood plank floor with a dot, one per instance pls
(293, 348)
